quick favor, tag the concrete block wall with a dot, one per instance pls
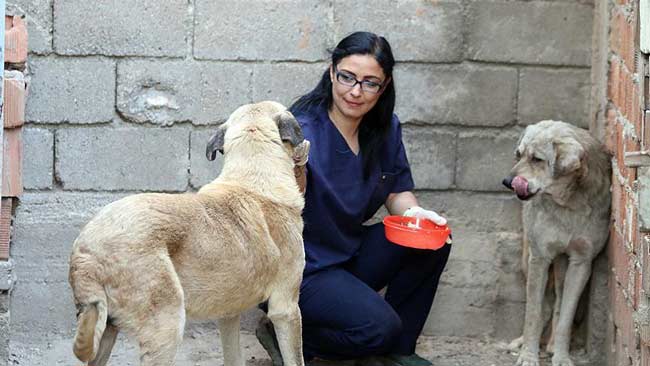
(123, 95)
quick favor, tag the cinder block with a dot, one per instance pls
(425, 31)
(14, 99)
(456, 94)
(15, 40)
(46, 225)
(481, 212)
(261, 30)
(455, 312)
(506, 31)
(484, 159)
(164, 92)
(554, 94)
(480, 274)
(38, 158)
(202, 171)
(122, 159)
(285, 82)
(12, 163)
(432, 156)
(38, 16)
(74, 90)
(123, 28)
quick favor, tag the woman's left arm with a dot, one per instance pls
(398, 203)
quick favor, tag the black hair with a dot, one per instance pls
(376, 123)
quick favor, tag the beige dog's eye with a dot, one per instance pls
(517, 155)
(535, 159)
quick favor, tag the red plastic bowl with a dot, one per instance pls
(414, 233)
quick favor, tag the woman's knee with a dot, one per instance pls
(379, 335)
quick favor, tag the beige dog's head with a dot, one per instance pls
(550, 158)
(262, 124)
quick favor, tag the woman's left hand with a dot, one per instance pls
(421, 213)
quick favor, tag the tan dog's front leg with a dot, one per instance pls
(576, 278)
(535, 285)
(229, 330)
(285, 316)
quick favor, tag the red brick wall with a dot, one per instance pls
(627, 251)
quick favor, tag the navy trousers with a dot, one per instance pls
(344, 317)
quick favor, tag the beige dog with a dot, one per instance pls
(563, 176)
(147, 261)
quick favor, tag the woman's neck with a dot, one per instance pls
(348, 128)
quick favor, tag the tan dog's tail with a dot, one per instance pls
(91, 324)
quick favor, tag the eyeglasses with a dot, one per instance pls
(349, 80)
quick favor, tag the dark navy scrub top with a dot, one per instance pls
(337, 199)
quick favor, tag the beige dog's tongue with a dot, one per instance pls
(520, 185)
(301, 153)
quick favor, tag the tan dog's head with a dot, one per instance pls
(261, 123)
(549, 158)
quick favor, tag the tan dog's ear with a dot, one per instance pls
(289, 128)
(569, 157)
(215, 143)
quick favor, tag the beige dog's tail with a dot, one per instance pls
(91, 324)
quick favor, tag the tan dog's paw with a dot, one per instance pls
(515, 344)
(562, 360)
(528, 359)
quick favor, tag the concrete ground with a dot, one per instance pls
(201, 347)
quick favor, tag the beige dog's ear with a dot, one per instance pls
(289, 128)
(569, 157)
(215, 143)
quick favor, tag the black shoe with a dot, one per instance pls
(266, 335)
(407, 360)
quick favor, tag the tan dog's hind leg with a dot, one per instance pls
(105, 346)
(161, 336)
(535, 285)
(285, 316)
(576, 278)
(229, 330)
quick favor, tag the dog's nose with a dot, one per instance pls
(507, 182)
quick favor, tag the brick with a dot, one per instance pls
(440, 23)
(124, 28)
(554, 94)
(281, 30)
(71, 90)
(567, 32)
(432, 155)
(613, 80)
(12, 163)
(165, 92)
(285, 82)
(144, 159)
(15, 40)
(38, 158)
(38, 16)
(202, 171)
(456, 94)
(14, 99)
(5, 232)
(484, 159)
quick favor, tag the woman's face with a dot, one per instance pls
(353, 102)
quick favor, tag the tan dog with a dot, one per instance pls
(563, 176)
(147, 261)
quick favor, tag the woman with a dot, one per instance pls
(357, 163)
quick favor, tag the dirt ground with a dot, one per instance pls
(202, 347)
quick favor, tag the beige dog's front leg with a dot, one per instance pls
(535, 285)
(229, 330)
(576, 278)
(287, 323)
